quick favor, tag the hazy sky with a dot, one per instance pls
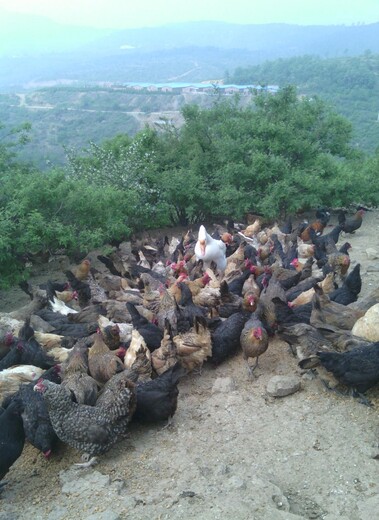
(140, 13)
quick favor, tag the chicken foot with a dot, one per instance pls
(352, 392)
(250, 368)
(169, 423)
(88, 461)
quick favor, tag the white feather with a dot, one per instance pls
(210, 250)
(61, 307)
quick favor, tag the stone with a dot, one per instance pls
(280, 386)
(104, 515)
(372, 254)
(369, 508)
(367, 327)
(90, 482)
(236, 482)
(373, 268)
(58, 513)
(223, 385)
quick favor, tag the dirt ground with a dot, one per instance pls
(231, 452)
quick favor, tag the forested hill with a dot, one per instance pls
(350, 84)
(195, 51)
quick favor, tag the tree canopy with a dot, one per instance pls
(279, 155)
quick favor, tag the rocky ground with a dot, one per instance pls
(232, 450)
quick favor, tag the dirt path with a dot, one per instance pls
(232, 452)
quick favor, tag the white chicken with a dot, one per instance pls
(210, 250)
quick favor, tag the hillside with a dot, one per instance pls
(73, 116)
(350, 84)
(202, 50)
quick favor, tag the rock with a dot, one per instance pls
(280, 386)
(59, 513)
(369, 508)
(236, 482)
(72, 483)
(367, 327)
(372, 254)
(104, 515)
(223, 385)
(374, 268)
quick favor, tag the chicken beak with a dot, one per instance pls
(202, 247)
(47, 453)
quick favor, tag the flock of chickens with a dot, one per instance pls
(111, 343)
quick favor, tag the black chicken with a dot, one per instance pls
(151, 333)
(351, 287)
(290, 316)
(321, 241)
(27, 353)
(12, 437)
(236, 285)
(358, 368)
(350, 225)
(37, 426)
(226, 337)
(189, 310)
(63, 326)
(82, 288)
(157, 399)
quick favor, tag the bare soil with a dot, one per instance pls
(231, 452)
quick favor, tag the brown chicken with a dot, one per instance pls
(254, 341)
(304, 340)
(326, 311)
(194, 346)
(75, 377)
(318, 226)
(166, 355)
(82, 270)
(266, 309)
(327, 285)
(305, 250)
(340, 340)
(198, 284)
(251, 286)
(67, 296)
(207, 297)
(339, 261)
(111, 336)
(49, 341)
(102, 362)
(235, 262)
(175, 290)
(252, 229)
(138, 356)
(166, 309)
(151, 294)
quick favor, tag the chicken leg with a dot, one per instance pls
(352, 392)
(88, 461)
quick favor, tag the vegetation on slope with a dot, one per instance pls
(279, 155)
(349, 84)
